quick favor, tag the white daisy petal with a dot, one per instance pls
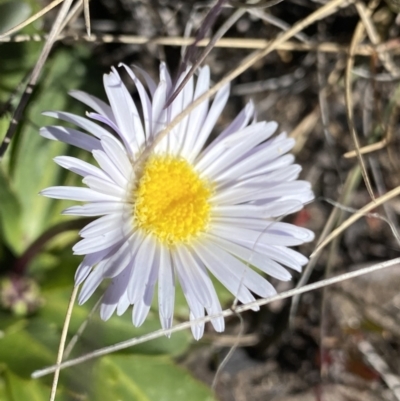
(197, 328)
(93, 102)
(230, 281)
(144, 98)
(122, 256)
(110, 168)
(246, 276)
(91, 284)
(123, 304)
(104, 120)
(71, 137)
(139, 313)
(95, 209)
(166, 285)
(218, 104)
(248, 193)
(95, 244)
(198, 115)
(117, 154)
(183, 212)
(80, 167)
(107, 310)
(244, 236)
(253, 258)
(159, 114)
(77, 194)
(149, 81)
(88, 262)
(104, 186)
(113, 294)
(125, 112)
(228, 151)
(102, 225)
(192, 276)
(241, 120)
(81, 122)
(141, 272)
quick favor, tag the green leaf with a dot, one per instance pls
(144, 378)
(21, 350)
(12, 13)
(19, 389)
(31, 166)
(10, 213)
(99, 334)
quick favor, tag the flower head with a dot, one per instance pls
(185, 210)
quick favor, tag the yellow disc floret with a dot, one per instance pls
(171, 200)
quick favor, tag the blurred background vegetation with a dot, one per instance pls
(301, 86)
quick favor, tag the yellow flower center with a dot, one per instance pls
(171, 200)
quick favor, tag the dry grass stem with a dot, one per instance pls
(31, 19)
(86, 13)
(357, 37)
(225, 313)
(365, 50)
(55, 30)
(62, 342)
(324, 11)
(367, 149)
(362, 212)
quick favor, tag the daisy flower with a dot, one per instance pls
(191, 207)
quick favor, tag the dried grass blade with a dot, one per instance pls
(31, 19)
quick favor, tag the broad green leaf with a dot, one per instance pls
(12, 13)
(10, 212)
(19, 389)
(32, 167)
(119, 328)
(145, 378)
(21, 349)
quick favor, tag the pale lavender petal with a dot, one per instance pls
(123, 304)
(117, 154)
(197, 328)
(81, 122)
(144, 100)
(102, 225)
(95, 209)
(95, 244)
(166, 285)
(240, 194)
(125, 112)
(193, 275)
(244, 236)
(253, 258)
(141, 272)
(139, 313)
(241, 120)
(229, 150)
(110, 168)
(229, 280)
(215, 111)
(88, 262)
(93, 102)
(91, 284)
(198, 115)
(102, 119)
(80, 167)
(70, 136)
(117, 287)
(227, 264)
(105, 187)
(77, 194)
(149, 81)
